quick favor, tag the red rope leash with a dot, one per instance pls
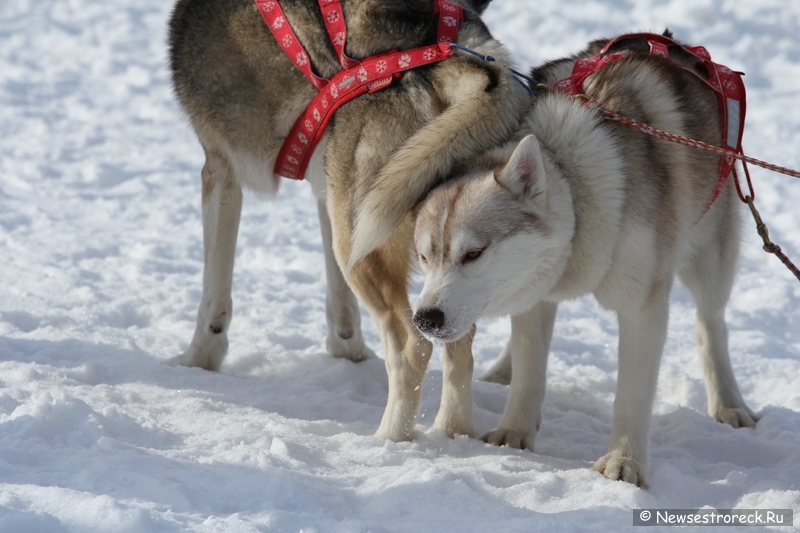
(761, 228)
(700, 145)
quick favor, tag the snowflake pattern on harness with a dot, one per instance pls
(586, 63)
(338, 39)
(563, 85)
(376, 73)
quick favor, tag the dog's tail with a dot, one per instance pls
(484, 107)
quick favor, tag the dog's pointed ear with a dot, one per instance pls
(524, 174)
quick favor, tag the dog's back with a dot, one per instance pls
(668, 187)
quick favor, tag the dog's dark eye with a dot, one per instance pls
(472, 255)
(422, 258)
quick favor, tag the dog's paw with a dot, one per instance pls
(497, 375)
(510, 438)
(352, 348)
(395, 434)
(455, 424)
(500, 371)
(190, 359)
(208, 355)
(620, 467)
(178, 360)
(738, 417)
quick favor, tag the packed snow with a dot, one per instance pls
(101, 259)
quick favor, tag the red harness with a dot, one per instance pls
(356, 77)
(726, 84)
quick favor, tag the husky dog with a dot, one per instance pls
(242, 95)
(573, 205)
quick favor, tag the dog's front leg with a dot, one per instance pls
(345, 339)
(642, 334)
(455, 410)
(531, 333)
(222, 207)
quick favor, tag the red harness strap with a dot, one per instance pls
(726, 84)
(356, 77)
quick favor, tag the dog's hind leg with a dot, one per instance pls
(380, 280)
(345, 339)
(500, 371)
(222, 206)
(455, 411)
(709, 278)
(531, 333)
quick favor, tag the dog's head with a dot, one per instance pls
(488, 245)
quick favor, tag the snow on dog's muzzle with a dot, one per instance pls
(429, 321)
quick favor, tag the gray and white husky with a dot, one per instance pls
(380, 156)
(574, 205)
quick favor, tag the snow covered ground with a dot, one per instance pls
(101, 262)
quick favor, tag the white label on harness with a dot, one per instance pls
(733, 123)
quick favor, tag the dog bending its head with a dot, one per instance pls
(492, 241)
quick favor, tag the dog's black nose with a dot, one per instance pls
(429, 320)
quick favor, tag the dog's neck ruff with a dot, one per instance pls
(727, 84)
(356, 77)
